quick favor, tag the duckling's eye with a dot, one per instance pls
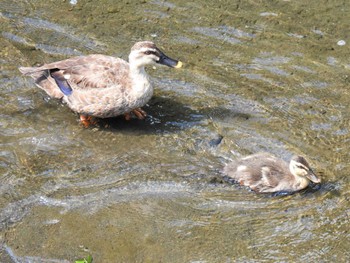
(148, 52)
(301, 167)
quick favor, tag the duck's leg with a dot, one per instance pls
(87, 120)
(127, 116)
(140, 113)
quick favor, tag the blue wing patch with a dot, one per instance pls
(61, 82)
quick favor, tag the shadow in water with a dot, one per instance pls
(163, 115)
(221, 113)
(168, 115)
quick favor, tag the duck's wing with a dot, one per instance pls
(84, 72)
(248, 167)
(244, 171)
(271, 177)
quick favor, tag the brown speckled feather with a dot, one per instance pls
(88, 72)
(99, 84)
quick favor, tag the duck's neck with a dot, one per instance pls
(138, 74)
(141, 86)
(301, 182)
(136, 71)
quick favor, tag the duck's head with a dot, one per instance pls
(146, 53)
(300, 167)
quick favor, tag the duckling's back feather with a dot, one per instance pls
(262, 172)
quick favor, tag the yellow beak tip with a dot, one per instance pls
(179, 64)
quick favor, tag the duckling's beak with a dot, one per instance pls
(312, 177)
(165, 60)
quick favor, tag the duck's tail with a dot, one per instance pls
(27, 70)
(43, 80)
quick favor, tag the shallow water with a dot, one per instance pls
(256, 77)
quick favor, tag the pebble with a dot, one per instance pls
(341, 43)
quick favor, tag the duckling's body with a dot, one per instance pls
(102, 86)
(265, 173)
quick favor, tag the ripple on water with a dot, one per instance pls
(228, 34)
(16, 258)
(92, 202)
(315, 84)
(152, 190)
(17, 39)
(29, 38)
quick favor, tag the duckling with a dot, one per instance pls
(102, 86)
(265, 173)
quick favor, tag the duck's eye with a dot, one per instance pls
(148, 52)
(301, 167)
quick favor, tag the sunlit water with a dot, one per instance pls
(256, 77)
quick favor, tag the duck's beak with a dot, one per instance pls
(313, 177)
(165, 60)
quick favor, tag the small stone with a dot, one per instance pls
(341, 43)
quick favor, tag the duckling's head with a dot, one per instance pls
(146, 53)
(300, 167)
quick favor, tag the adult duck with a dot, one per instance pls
(102, 86)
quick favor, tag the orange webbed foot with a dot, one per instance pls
(139, 113)
(127, 116)
(87, 120)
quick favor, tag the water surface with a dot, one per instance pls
(256, 77)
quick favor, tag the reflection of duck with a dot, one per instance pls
(102, 86)
(265, 173)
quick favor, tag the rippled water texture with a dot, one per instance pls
(258, 76)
